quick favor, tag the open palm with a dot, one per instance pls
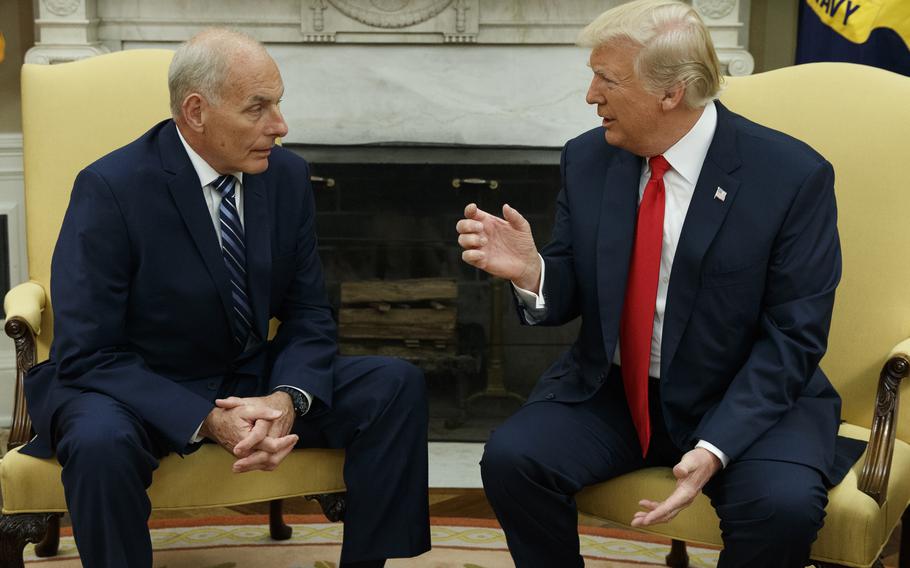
(503, 247)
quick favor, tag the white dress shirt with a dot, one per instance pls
(686, 158)
(207, 176)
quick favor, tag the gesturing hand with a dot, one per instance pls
(502, 247)
(692, 473)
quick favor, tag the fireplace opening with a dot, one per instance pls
(395, 276)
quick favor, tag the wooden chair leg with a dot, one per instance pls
(50, 544)
(16, 530)
(277, 528)
(678, 557)
(332, 504)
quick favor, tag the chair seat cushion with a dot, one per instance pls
(855, 528)
(201, 479)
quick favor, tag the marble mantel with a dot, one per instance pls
(452, 72)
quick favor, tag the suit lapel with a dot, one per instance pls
(188, 197)
(704, 218)
(258, 249)
(615, 234)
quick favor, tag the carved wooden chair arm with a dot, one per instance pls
(873, 480)
(23, 305)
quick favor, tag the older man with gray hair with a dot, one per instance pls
(175, 252)
(701, 252)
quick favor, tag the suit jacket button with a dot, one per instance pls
(602, 377)
(550, 396)
(213, 385)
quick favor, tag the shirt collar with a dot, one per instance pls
(207, 174)
(688, 154)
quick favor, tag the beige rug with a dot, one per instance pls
(243, 541)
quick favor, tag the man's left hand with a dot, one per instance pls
(692, 473)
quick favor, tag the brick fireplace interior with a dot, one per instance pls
(390, 215)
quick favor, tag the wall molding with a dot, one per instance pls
(12, 200)
(11, 155)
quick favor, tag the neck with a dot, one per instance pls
(677, 124)
(196, 141)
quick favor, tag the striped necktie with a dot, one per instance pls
(234, 251)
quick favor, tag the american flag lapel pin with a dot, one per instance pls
(720, 194)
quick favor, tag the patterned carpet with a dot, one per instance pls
(241, 542)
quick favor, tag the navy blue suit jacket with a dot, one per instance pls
(141, 296)
(750, 295)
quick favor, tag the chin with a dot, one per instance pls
(257, 167)
(612, 138)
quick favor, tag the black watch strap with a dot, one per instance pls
(301, 406)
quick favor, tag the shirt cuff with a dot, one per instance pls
(724, 460)
(308, 396)
(196, 437)
(533, 305)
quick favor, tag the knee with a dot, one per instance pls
(506, 459)
(96, 444)
(101, 437)
(798, 513)
(789, 516)
(407, 382)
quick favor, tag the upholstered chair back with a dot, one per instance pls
(72, 114)
(858, 117)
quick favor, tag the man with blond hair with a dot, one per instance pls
(175, 252)
(701, 252)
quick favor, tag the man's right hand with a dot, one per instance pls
(503, 247)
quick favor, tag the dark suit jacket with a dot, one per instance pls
(750, 295)
(141, 294)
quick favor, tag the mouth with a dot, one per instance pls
(607, 122)
(262, 151)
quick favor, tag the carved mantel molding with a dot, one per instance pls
(389, 21)
(73, 29)
(464, 72)
(67, 30)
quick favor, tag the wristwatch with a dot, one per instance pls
(301, 406)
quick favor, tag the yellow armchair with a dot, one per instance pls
(73, 114)
(858, 118)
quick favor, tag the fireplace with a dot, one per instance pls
(379, 220)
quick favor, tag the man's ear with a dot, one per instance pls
(194, 107)
(673, 98)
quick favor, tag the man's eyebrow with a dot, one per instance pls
(259, 99)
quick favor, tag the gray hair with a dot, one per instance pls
(202, 64)
(675, 46)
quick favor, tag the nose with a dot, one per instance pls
(594, 96)
(277, 126)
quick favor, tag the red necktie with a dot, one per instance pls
(637, 322)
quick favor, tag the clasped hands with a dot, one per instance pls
(254, 429)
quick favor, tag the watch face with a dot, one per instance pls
(300, 404)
